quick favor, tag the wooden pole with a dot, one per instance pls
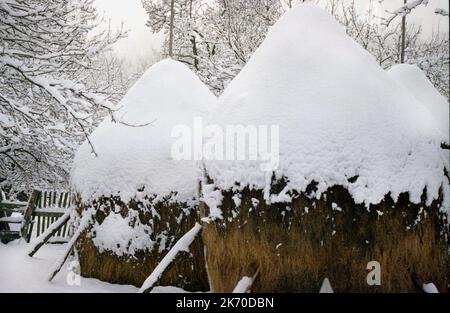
(53, 229)
(60, 262)
(84, 224)
(181, 245)
(27, 215)
(402, 52)
(172, 17)
(246, 283)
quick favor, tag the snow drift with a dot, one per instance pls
(130, 158)
(340, 116)
(417, 84)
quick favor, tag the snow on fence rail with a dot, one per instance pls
(43, 209)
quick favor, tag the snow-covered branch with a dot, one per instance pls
(442, 12)
(50, 92)
(408, 7)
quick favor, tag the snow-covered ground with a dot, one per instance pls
(20, 273)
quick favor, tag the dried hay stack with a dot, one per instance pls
(188, 271)
(296, 245)
(143, 199)
(361, 175)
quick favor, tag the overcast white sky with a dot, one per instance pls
(141, 42)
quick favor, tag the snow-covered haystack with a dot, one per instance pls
(144, 199)
(361, 174)
(417, 84)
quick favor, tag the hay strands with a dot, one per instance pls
(53, 229)
(181, 245)
(245, 284)
(84, 224)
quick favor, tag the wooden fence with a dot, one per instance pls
(42, 210)
(51, 205)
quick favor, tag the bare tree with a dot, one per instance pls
(216, 38)
(47, 51)
(397, 42)
(172, 18)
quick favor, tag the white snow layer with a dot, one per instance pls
(243, 285)
(21, 273)
(417, 84)
(115, 234)
(430, 288)
(130, 158)
(340, 115)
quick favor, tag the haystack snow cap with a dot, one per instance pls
(342, 119)
(417, 84)
(130, 158)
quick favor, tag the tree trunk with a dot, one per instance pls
(172, 13)
(402, 52)
(194, 52)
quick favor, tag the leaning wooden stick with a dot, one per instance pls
(182, 245)
(245, 284)
(84, 224)
(53, 229)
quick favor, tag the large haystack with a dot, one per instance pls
(143, 199)
(361, 174)
(414, 80)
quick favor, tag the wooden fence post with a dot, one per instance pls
(27, 215)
